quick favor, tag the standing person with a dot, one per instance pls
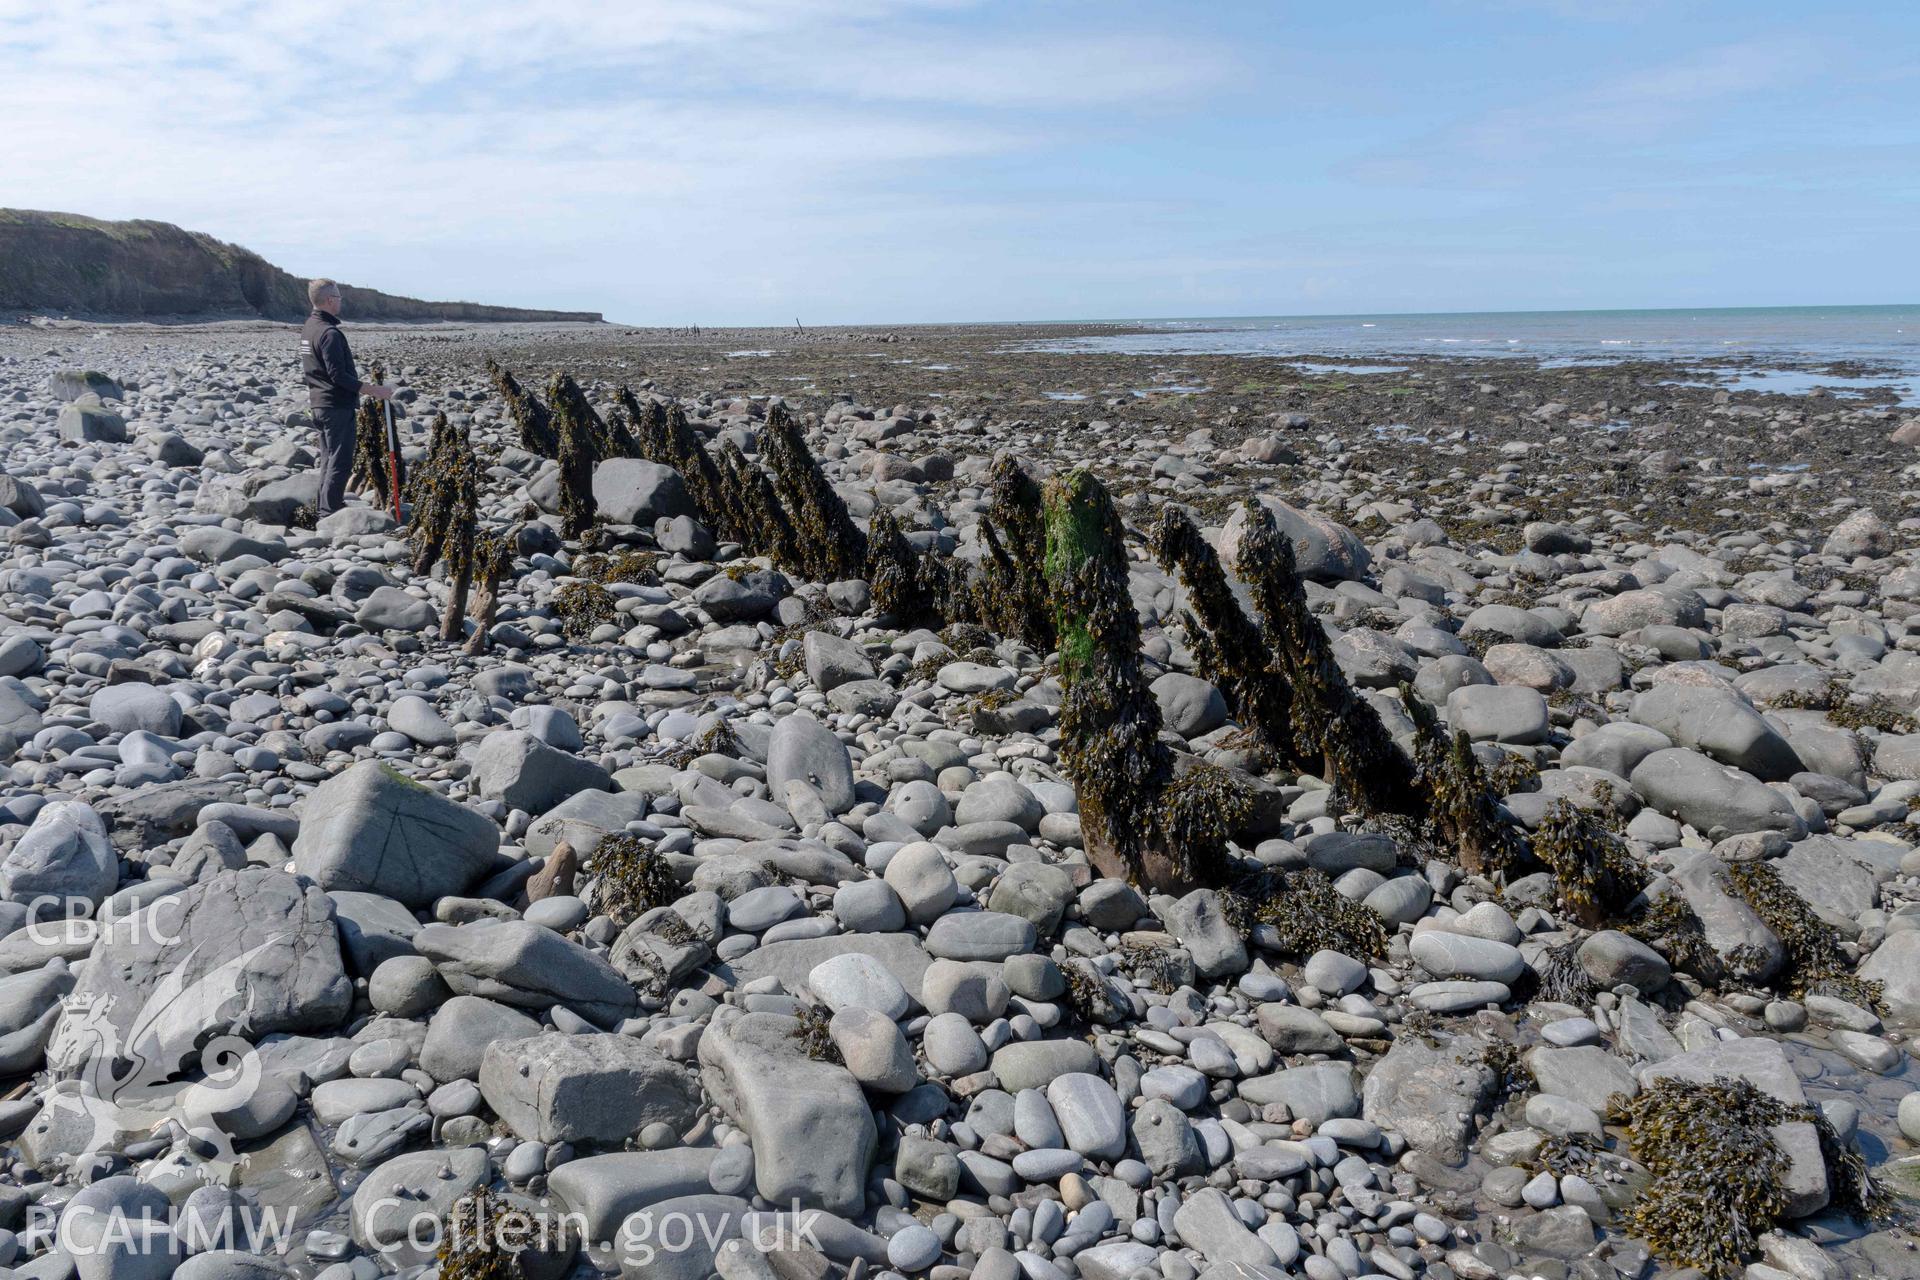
(333, 390)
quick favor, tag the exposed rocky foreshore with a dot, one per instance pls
(680, 849)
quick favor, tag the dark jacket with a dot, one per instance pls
(326, 365)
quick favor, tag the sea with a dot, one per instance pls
(1746, 348)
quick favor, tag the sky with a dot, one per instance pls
(861, 161)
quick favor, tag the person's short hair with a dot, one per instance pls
(321, 288)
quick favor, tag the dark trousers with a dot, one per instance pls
(336, 457)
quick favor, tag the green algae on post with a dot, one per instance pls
(1109, 721)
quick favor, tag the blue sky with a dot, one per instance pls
(750, 161)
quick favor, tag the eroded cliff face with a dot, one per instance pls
(64, 263)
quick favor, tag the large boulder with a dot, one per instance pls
(420, 1187)
(743, 597)
(1317, 1092)
(1747, 948)
(1429, 1094)
(64, 855)
(1720, 723)
(801, 749)
(604, 1190)
(393, 609)
(634, 491)
(1895, 964)
(87, 421)
(523, 964)
(277, 501)
(1840, 879)
(124, 708)
(522, 772)
(1498, 713)
(252, 951)
(812, 1131)
(600, 1089)
(68, 385)
(1861, 534)
(1714, 799)
(793, 960)
(1651, 606)
(372, 830)
(1322, 550)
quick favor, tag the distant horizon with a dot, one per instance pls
(1339, 315)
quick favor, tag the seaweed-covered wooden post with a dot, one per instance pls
(663, 435)
(1010, 591)
(1461, 807)
(1235, 655)
(1330, 719)
(373, 466)
(458, 545)
(432, 492)
(573, 424)
(493, 558)
(1109, 721)
(754, 512)
(830, 546)
(530, 418)
(910, 587)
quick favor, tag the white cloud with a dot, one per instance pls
(469, 143)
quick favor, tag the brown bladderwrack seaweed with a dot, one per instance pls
(1815, 962)
(1008, 591)
(1669, 926)
(1462, 806)
(633, 877)
(493, 559)
(1719, 1175)
(663, 434)
(582, 606)
(1305, 912)
(1109, 720)
(485, 1238)
(830, 547)
(1594, 875)
(638, 567)
(910, 587)
(1236, 656)
(753, 509)
(813, 1028)
(1199, 810)
(1330, 719)
(373, 463)
(575, 425)
(531, 419)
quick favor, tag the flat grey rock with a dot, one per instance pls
(371, 830)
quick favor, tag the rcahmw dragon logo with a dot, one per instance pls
(127, 1069)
